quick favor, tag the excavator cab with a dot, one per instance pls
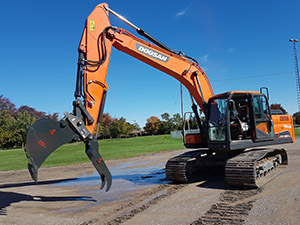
(239, 120)
(229, 118)
(235, 120)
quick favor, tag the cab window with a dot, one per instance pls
(261, 109)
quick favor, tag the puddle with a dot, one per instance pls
(135, 173)
(126, 177)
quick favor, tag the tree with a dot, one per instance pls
(115, 128)
(13, 128)
(6, 104)
(14, 122)
(53, 116)
(104, 130)
(8, 131)
(164, 128)
(169, 124)
(106, 119)
(278, 106)
(152, 125)
(177, 121)
(119, 127)
(166, 125)
(136, 126)
(296, 117)
(165, 116)
(34, 113)
(23, 121)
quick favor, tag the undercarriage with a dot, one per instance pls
(249, 168)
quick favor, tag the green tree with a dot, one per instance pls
(177, 121)
(13, 128)
(120, 127)
(115, 128)
(164, 128)
(106, 132)
(169, 123)
(8, 131)
(136, 126)
(23, 121)
(166, 124)
(14, 122)
(165, 116)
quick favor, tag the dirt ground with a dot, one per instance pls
(140, 194)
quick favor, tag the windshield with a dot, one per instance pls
(217, 120)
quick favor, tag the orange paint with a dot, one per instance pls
(283, 123)
(263, 127)
(192, 139)
(91, 44)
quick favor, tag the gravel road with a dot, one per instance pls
(141, 195)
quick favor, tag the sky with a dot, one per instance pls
(241, 45)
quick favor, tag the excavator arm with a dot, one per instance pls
(98, 38)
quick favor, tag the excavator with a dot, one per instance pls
(232, 128)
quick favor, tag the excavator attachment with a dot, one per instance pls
(97, 160)
(45, 136)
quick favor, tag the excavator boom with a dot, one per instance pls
(99, 37)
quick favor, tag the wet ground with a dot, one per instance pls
(127, 177)
(140, 194)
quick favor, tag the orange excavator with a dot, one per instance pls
(232, 133)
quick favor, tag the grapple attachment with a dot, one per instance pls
(45, 136)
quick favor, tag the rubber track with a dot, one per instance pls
(240, 170)
(181, 169)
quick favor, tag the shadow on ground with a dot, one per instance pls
(25, 184)
(214, 183)
(217, 181)
(214, 179)
(7, 198)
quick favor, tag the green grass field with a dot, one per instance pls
(297, 132)
(109, 149)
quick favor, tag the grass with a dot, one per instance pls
(109, 149)
(297, 132)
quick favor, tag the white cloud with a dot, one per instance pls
(181, 13)
(230, 50)
(185, 10)
(204, 59)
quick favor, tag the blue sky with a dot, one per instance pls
(241, 45)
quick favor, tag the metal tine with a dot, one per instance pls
(103, 181)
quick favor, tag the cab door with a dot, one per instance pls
(263, 124)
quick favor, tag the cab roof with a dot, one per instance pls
(227, 94)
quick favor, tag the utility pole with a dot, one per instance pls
(296, 71)
(182, 111)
